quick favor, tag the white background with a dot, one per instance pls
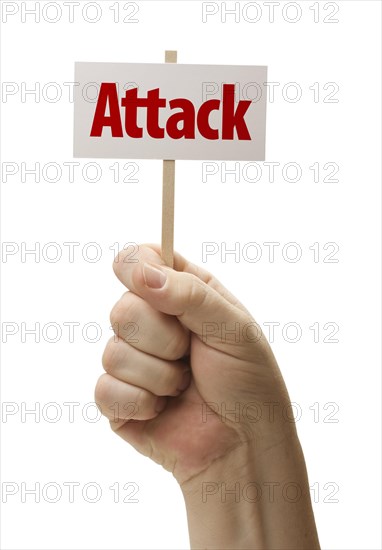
(347, 373)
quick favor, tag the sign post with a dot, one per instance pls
(168, 192)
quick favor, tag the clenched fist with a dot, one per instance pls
(189, 382)
(176, 386)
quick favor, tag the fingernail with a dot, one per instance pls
(154, 277)
(185, 380)
(160, 404)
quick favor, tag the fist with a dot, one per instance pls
(186, 360)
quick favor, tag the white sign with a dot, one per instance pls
(169, 111)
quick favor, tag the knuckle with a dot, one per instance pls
(102, 389)
(123, 309)
(109, 357)
(169, 383)
(195, 293)
(175, 347)
(116, 313)
(118, 264)
(165, 382)
(141, 399)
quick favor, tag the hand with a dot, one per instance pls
(184, 389)
(197, 389)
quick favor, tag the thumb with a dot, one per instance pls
(185, 296)
(201, 308)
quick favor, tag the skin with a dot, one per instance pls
(206, 404)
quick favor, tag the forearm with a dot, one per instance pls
(256, 498)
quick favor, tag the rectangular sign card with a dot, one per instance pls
(169, 111)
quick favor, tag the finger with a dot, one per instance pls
(201, 309)
(216, 321)
(120, 401)
(123, 264)
(131, 365)
(147, 329)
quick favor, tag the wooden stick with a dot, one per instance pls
(168, 195)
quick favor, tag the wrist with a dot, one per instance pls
(218, 510)
(246, 463)
(255, 497)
